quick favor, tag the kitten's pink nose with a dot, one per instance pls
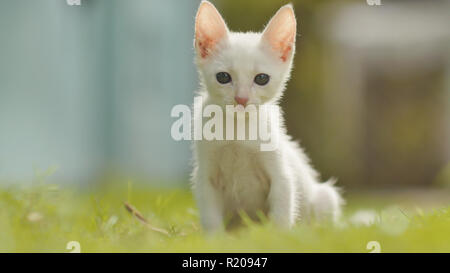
(241, 101)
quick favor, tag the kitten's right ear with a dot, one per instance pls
(210, 29)
(280, 32)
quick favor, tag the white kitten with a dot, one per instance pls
(234, 176)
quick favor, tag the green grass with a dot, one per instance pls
(44, 218)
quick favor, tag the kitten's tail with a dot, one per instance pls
(327, 201)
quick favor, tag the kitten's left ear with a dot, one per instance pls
(210, 29)
(281, 31)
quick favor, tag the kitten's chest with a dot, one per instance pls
(241, 178)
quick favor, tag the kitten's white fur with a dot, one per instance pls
(234, 176)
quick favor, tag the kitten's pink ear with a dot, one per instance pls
(210, 29)
(281, 31)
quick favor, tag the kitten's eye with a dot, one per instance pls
(262, 79)
(223, 77)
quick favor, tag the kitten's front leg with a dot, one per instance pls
(209, 203)
(282, 202)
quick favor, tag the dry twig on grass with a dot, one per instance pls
(143, 220)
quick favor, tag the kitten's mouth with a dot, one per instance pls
(235, 104)
(249, 108)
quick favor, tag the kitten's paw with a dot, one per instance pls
(283, 220)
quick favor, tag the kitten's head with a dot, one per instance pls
(244, 68)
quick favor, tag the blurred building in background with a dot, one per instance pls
(389, 87)
(90, 88)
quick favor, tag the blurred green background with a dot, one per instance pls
(89, 89)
